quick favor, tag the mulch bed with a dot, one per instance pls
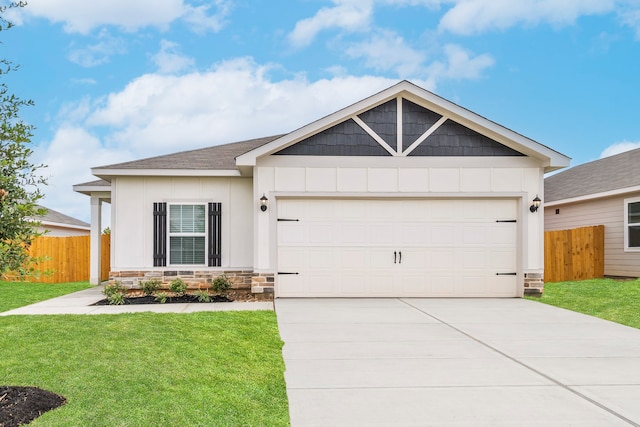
(137, 297)
(170, 300)
(21, 405)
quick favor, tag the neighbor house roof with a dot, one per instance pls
(219, 157)
(619, 173)
(53, 217)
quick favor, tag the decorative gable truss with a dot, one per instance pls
(398, 128)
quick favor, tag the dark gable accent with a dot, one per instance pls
(344, 139)
(383, 120)
(454, 139)
(416, 120)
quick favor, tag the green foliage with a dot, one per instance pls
(202, 295)
(19, 294)
(178, 286)
(221, 284)
(610, 299)
(161, 297)
(115, 293)
(225, 368)
(19, 178)
(149, 287)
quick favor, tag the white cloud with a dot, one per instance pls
(350, 15)
(82, 16)
(631, 18)
(385, 51)
(201, 22)
(476, 16)
(619, 147)
(169, 60)
(460, 64)
(235, 100)
(98, 53)
(68, 158)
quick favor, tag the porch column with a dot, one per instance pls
(95, 262)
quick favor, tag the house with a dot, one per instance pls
(603, 192)
(401, 194)
(57, 224)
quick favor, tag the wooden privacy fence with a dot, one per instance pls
(576, 254)
(68, 258)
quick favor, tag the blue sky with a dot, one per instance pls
(120, 80)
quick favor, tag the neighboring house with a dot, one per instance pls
(57, 224)
(603, 192)
(401, 194)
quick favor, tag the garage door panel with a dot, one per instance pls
(346, 248)
(475, 234)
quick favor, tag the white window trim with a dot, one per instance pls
(170, 234)
(627, 202)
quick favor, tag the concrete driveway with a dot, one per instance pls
(462, 362)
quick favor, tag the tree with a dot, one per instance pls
(19, 179)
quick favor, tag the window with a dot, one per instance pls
(189, 233)
(632, 224)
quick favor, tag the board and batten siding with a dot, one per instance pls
(608, 212)
(395, 177)
(132, 216)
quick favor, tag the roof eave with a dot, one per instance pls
(107, 173)
(600, 195)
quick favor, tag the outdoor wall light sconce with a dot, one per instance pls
(535, 204)
(264, 202)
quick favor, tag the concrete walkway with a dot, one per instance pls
(463, 362)
(80, 303)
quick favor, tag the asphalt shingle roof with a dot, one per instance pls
(60, 218)
(608, 174)
(211, 158)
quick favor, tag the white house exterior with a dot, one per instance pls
(401, 194)
(57, 224)
(603, 192)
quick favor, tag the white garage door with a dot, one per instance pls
(397, 248)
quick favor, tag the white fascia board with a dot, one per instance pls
(63, 225)
(550, 159)
(107, 173)
(588, 197)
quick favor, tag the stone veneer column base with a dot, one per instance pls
(533, 284)
(263, 283)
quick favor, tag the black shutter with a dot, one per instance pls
(159, 234)
(215, 234)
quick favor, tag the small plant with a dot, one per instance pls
(115, 293)
(178, 286)
(149, 287)
(221, 284)
(161, 297)
(202, 295)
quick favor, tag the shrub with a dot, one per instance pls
(115, 293)
(221, 284)
(202, 295)
(161, 297)
(178, 286)
(149, 287)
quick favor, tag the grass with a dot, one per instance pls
(149, 369)
(19, 294)
(615, 300)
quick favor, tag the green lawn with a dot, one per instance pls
(18, 294)
(615, 300)
(148, 369)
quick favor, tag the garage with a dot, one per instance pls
(391, 247)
